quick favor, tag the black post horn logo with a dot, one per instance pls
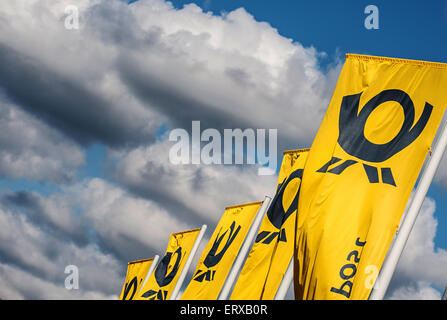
(277, 214)
(132, 284)
(213, 257)
(162, 277)
(352, 133)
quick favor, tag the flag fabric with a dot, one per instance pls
(136, 273)
(164, 278)
(360, 171)
(272, 251)
(222, 249)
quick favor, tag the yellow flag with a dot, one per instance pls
(164, 278)
(272, 251)
(136, 273)
(220, 252)
(360, 171)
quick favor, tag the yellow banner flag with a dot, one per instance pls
(164, 278)
(360, 171)
(220, 252)
(272, 251)
(136, 273)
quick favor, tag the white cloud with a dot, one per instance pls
(57, 217)
(122, 220)
(17, 284)
(241, 70)
(200, 191)
(31, 149)
(125, 228)
(126, 225)
(421, 291)
(421, 267)
(130, 68)
(69, 77)
(30, 253)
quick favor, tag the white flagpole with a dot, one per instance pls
(149, 272)
(285, 282)
(178, 285)
(245, 249)
(444, 296)
(391, 261)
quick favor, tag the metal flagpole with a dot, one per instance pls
(390, 263)
(175, 292)
(444, 296)
(149, 272)
(245, 249)
(285, 282)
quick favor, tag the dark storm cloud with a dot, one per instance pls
(125, 248)
(180, 106)
(61, 222)
(66, 103)
(153, 185)
(71, 227)
(32, 260)
(31, 149)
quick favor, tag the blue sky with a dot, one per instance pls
(407, 29)
(86, 112)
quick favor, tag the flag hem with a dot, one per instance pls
(244, 204)
(142, 260)
(186, 231)
(295, 151)
(439, 65)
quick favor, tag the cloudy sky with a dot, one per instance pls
(85, 115)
